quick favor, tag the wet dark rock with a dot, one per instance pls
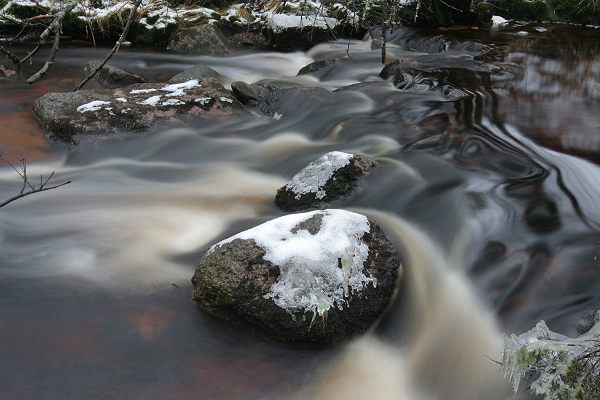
(249, 40)
(331, 177)
(267, 286)
(110, 77)
(274, 99)
(454, 12)
(244, 92)
(203, 39)
(132, 108)
(197, 72)
(298, 38)
(321, 66)
(535, 10)
(451, 81)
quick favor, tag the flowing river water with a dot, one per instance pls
(489, 184)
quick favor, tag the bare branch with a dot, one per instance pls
(38, 190)
(116, 47)
(26, 183)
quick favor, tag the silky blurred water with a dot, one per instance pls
(489, 185)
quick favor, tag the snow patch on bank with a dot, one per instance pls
(498, 21)
(279, 22)
(311, 279)
(312, 179)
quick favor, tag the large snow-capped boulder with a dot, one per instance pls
(334, 175)
(133, 108)
(317, 277)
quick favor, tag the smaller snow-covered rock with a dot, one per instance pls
(331, 177)
(317, 277)
(203, 39)
(111, 77)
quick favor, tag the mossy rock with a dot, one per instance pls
(453, 12)
(535, 10)
(22, 11)
(74, 26)
(576, 11)
(153, 36)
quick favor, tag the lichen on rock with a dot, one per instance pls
(556, 366)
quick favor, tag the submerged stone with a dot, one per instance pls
(318, 277)
(197, 72)
(321, 67)
(331, 177)
(111, 77)
(133, 108)
(272, 98)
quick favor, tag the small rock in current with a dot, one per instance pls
(111, 77)
(332, 176)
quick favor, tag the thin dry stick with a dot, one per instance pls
(27, 184)
(114, 49)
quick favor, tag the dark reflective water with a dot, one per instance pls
(487, 179)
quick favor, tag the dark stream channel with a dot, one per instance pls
(489, 154)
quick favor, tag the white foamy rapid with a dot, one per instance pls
(114, 226)
(449, 338)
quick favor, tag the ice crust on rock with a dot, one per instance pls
(313, 177)
(549, 355)
(311, 279)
